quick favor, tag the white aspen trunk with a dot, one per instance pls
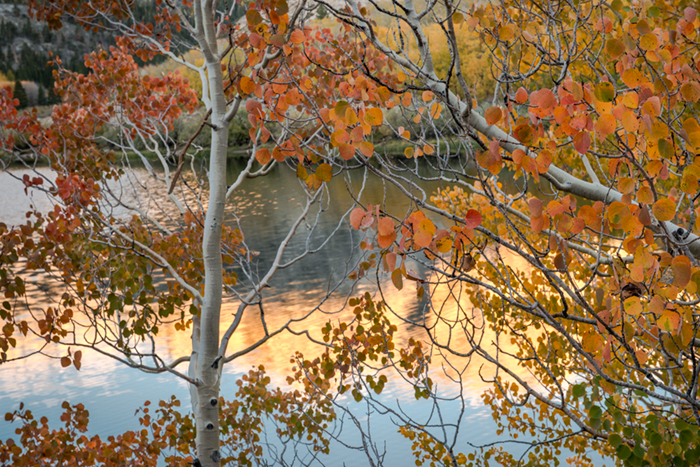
(205, 395)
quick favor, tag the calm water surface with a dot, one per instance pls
(266, 207)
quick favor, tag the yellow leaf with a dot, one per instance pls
(633, 306)
(324, 172)
(645, 195)
(649, 42)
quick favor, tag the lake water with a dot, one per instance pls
(266, 207)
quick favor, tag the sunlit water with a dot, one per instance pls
(266, 208)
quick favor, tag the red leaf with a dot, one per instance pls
(473, 219)
(582, 142)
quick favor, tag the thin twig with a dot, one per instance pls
(181, 159)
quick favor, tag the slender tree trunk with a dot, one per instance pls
(205, 403)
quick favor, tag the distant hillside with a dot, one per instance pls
(25, 45)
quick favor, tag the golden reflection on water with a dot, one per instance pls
(289, 300)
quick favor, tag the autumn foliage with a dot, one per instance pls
(560, 247)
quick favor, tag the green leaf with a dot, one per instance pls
(615, 440)
(638, 451)
(357, 395)
(340, 108)
(683, 425)
(595, 412)
(604, 92)
(655, 439)
(693, 455)
(579, 390)
(686, 437)
(624, 452)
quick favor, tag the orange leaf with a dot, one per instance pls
(247, 85)
(426, 225)
(629, 121)
(625, 185)
(347, 151)
(670, 321)
(374, 116)
(605, 125)
(616, 212)
(297, 37)
(664, 209)
(521, 96)
(339, 137)
(366, 148)
(493, 115)
(591, 342)
(65, 362)
(537, 223)
(385, 226)
(389, 261)
(385, 241)
(263, 156)
(690, 92)
(681, 271)
(631, 77)
(356, 217)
